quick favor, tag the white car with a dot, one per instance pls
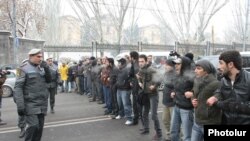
(8, 86)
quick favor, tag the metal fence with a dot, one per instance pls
(182, 48)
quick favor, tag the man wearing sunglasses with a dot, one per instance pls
(31, 93)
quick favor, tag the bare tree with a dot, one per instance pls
(29, 14)
(117, 9)
(207, 9)
(131, 34)
(185, 15)
(90, 13)
(52, 10)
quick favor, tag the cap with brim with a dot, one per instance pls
(49, 58)
(34, 51)
(177, 61)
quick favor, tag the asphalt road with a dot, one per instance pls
(75, 119)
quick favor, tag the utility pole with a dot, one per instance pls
(14, 32)
(245, 28)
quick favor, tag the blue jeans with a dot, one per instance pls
(181, 118)
(197, 132)
(124, 101)
(107, 97)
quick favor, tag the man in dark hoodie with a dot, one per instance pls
(205, 85)
(167, 101)
(123, 92)
(183, 109)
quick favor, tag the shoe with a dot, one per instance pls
(107, 112)
(145, 132)
(135, 122)
(105, 106)
(157, 138)
(100, 102)
(22, 133)
(128, 122)
(52, 111)
(92, 100)
(141, 129)
(112, 115)
(2, 123)
(118, 117)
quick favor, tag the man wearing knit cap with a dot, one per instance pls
(205, 84)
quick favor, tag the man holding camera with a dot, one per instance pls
(3, 74)
(31, 93)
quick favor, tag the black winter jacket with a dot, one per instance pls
(122, 82)
(234, 99)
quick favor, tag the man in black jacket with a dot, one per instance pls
(123, 92)
(134, 56)
(183, 110)
(233, 97)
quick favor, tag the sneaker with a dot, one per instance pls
(118, 117)
(128, 122)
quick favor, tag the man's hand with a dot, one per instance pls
(152, 87)
(21, 112)
(211, 101)
(172, 94)
(188, 94)
(141, 85)
(195, 102)
(138, 76)
(44, 64)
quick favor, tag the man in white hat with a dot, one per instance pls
(31, 93)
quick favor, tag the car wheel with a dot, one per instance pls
(7, 91)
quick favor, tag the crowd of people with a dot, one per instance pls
(192, 94)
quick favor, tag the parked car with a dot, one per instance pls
(9, 66)
(8, 86)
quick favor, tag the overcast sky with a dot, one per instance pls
(221, 21)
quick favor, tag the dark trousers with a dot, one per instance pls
(35, 127)
(21, 122)
(114, 103)
(81, 84)
(135, 102)
(52, 93)
(95, 89)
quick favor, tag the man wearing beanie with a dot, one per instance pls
(205, 84)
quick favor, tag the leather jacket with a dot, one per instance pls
(234, 99)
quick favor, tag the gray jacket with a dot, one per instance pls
(31, 93)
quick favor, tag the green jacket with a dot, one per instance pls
(203, 89)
